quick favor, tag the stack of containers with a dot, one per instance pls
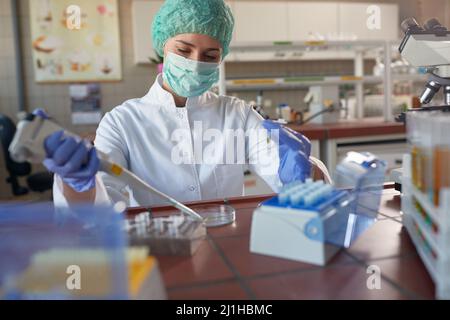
(426, 193)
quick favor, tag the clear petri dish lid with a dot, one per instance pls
(215, 215)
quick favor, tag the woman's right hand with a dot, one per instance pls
(76, 162)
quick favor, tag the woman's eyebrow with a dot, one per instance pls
(212, 49)
(185, 43)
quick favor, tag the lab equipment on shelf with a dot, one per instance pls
(323, 103)
(309, 221)
(284, 112)
(426, 47)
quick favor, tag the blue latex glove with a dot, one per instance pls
(41, 113)
(75, 161)
(294, 150)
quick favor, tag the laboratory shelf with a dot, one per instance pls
(307, 45)
(293, 83)
(288, 51)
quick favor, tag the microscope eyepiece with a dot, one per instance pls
(427, 47)
(431, 89)
(410, 25)
(433, 24)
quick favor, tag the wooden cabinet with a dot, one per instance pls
(312, 18)
(299, 21)
(353, 19)
(261, 21)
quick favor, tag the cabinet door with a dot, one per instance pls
(143, 12)
(261, 21)
(310, 18)
(354, 17)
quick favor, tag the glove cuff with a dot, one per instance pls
(80, 185)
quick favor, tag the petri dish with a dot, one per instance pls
(216, 215)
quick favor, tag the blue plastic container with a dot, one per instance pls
(48, 253)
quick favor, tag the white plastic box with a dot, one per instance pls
(309, 221)
(279, 232)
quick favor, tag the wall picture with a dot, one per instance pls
(75, 40)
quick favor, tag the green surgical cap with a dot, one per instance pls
(209, 17)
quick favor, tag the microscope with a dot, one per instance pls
(426, 47)
(429, 47)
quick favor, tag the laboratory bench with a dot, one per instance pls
(224, 268)
(330, 142)
(349, 128)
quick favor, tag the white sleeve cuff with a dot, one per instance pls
(323, 169)
(59, 200)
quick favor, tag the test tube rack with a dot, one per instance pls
(290, 225)
(427, 222)
(428, 227)
(309, 221)
(171, 235)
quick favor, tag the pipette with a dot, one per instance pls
(28, 145)
(134, 181)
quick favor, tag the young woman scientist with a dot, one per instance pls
(157, 136)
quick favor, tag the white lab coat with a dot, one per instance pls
(141, 135)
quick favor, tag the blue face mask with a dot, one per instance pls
(189, 78)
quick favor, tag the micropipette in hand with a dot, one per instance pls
(28, 145)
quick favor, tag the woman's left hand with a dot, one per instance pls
(294, 150)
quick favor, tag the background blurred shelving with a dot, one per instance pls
(299, 31)
(362, 51)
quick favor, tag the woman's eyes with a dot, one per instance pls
(212, 58)
(182, 50)
(186, 52)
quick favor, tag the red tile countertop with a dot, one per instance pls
(224, 268)
(346, 129)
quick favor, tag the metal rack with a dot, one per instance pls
(428, 227)
(293, 83)
(360, 48)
